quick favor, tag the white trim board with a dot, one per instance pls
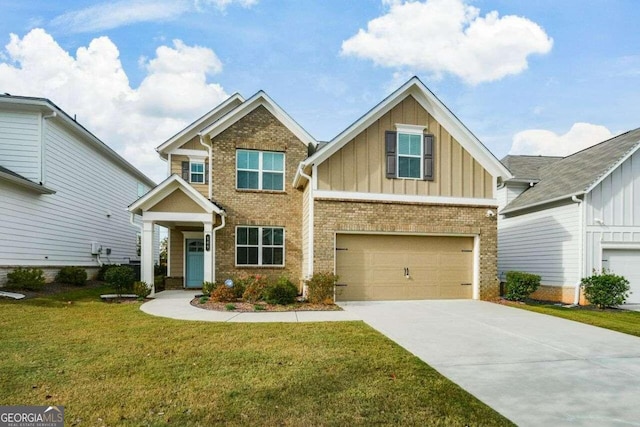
(401, 198)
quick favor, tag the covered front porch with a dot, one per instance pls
(192, 221)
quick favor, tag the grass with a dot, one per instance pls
(111, 364)
(627, 322)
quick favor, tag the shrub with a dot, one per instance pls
(120, 277)
(208, 287)
(203, 299)
(281, 292)
(320, 288)
(31, 279)
(72, 276)
(605, 289)
(230, 307)
(222, 294)
(141, 289)
(103, 270)
(254, 290)
(259, 307)
(520, 285)
(240, 284)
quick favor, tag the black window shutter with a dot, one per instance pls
(390, 147)
(428, 158)
(185, 171)
(206, 171)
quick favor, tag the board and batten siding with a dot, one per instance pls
(359, 166)
(544, 242)
(92, 194)
(20, 142)
(613, 212)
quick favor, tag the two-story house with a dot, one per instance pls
(63, 192)
(401, 204)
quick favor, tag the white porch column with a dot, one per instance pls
(147, 255)
(209, 251)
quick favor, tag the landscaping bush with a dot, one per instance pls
(31, 279)
(254, 290)
(281, 291)
(141, 289)
(605, 289)
(240, 284)
(222, 293)
(103, 270)
(320, 288)
(121, 278)
(72, 276)
(520, 285)
(208, 287)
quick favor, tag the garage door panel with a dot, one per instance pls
(373, 267)
(625, 262)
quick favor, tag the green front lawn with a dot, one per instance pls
(627, 322)
(111, 364)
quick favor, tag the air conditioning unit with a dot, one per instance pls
(96, 248)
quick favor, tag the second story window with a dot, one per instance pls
(197, 172)
(259, 170)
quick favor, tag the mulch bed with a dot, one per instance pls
(556, 303)
(54, 288)
(244, 307)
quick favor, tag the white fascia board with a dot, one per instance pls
(194, 128)
(614, 167)
(167, 187)
(544, 202)
(260, 98)
(192, 154)
(24, 183)
(433, 106)
(176, 216)
(401, 198)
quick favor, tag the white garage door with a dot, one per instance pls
(625, 262)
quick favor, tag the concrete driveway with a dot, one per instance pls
(536, 370)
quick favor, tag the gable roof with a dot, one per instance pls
(434, 107)
(167, 187)
(46, 106)
(527, 168)
(194, 128)
(259, 99)
(579, 173)
(15, 178)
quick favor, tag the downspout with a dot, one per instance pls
(576, 296)
(310, 225)
(43, 150)
(209, 180)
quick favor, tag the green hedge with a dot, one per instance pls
(520, 285)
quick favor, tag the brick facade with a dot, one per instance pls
(258, 130)
(333, 216)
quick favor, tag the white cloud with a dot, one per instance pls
(449, 36)
(94, 86)
(108, 15)
(547, 143)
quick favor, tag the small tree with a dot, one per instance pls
(121, 278)
(520, 285)
(605, 289)
(320, 288)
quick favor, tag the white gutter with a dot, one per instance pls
(209, 180)
(576, 296)
(310, 221)
(532, 205)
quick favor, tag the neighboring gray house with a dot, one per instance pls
(563, 218)
(63, 192)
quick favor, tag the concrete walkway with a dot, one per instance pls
(536, 370)
(176, 305)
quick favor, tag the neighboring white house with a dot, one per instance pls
(63, 192)
(563, 218)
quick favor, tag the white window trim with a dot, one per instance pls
(204, 170)
(260, 246)
(410, 130)
(261, 170)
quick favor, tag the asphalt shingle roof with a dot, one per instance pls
(527, 167)
(575, 174)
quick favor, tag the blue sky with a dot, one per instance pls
(528, 77)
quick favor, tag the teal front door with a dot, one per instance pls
(194, 263)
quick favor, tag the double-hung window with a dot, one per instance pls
(409, 153)
(259, 170)
(196, 172)
(260, 246)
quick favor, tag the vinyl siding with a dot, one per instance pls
(544, 242)
(616, 202)
(176, 168)
(509, 192)
(20, 143)
(359, 166)
(57, 229)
